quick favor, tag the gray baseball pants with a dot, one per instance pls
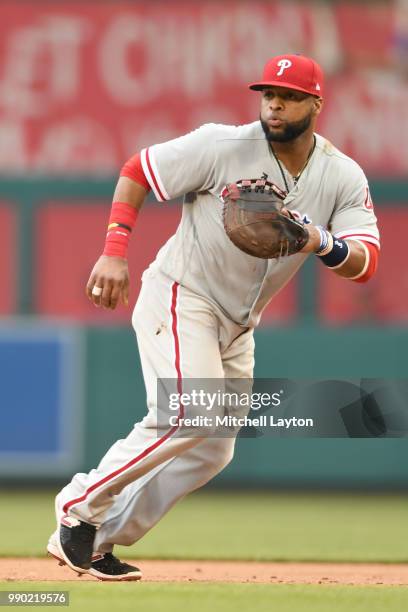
(180, 335)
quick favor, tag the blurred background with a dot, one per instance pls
(83, 86)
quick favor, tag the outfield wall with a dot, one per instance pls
(116, 399)
(106, 395)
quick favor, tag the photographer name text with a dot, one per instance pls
(233, 421)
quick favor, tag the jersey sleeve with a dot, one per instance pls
(182, 165)
(353, 216)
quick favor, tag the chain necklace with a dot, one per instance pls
(297, 177)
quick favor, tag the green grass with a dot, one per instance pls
(224, 597)
(250, 525)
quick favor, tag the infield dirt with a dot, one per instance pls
(36, 570)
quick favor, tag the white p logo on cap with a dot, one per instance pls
(283, 64)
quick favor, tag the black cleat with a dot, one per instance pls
(75, 543)
(110, 567)
(104, 566)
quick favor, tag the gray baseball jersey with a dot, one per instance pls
(332, 191)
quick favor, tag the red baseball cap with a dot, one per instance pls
(292, 71)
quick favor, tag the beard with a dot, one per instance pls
(290, 130)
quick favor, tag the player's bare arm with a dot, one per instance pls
(108, 283)
(355, 262)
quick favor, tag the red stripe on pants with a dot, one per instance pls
(168, 434)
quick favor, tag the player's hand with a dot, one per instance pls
(314, 235)
(313, 243)
(109, 282)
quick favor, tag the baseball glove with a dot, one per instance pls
(254, 223)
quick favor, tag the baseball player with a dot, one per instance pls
(202, 297)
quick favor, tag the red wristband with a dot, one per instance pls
(121, 222)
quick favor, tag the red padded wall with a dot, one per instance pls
(385, 297)
(8, 260)
(69, 238)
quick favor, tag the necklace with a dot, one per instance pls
(297, 177)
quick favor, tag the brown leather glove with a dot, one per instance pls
(254, 222)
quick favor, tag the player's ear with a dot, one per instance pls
(318, 105)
